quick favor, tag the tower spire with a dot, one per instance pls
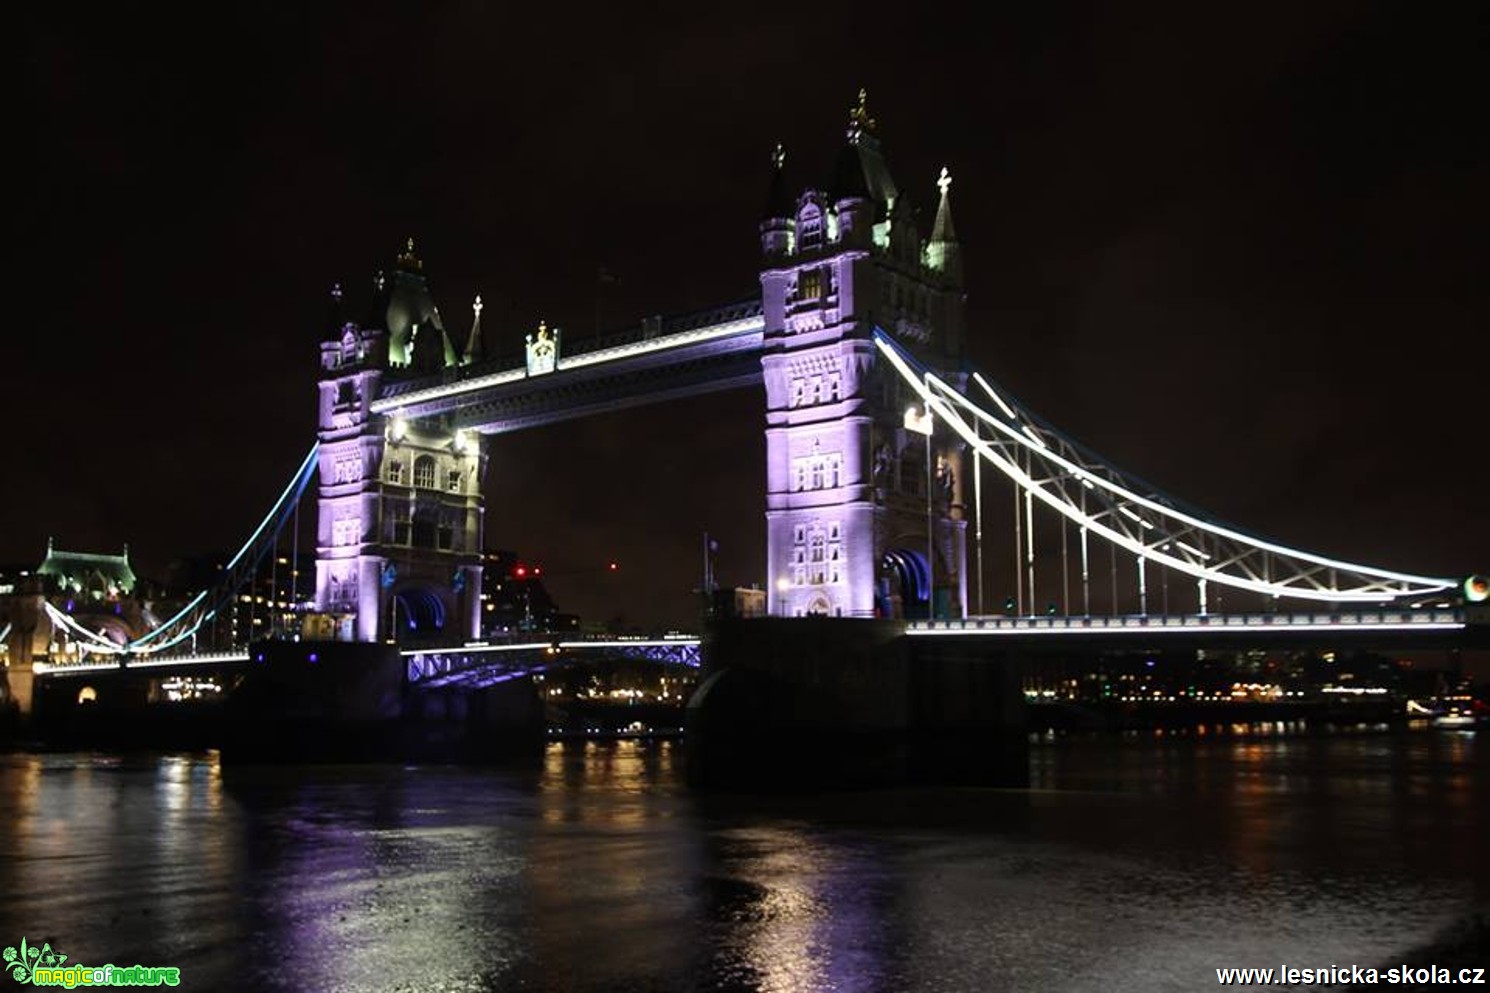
(779, 199)
(474, 351)
(860, 124)
(336, 316)
(407, 260)
(942, 249)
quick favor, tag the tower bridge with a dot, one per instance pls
(878, 432)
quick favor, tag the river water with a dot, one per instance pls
(1137, 863)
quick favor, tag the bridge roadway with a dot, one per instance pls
(471, 665)
(487, 664)
(1384, 627)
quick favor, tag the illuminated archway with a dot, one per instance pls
(419, 613)
(904, 575)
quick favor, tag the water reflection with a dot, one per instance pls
(1141, 862)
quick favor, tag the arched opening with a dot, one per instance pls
(904, 588)
(417, 613)
(424, 472)
(87, 695)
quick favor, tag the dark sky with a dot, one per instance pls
(1242, 253)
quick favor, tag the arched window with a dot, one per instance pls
(424, 472)
(810, 227)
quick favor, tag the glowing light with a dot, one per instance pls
(748, 329)
(1146, 625)
(398, 429)
(1372, 588)
(1477, 589)
(919, 423)
(1008, 411)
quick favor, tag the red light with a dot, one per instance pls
(537, 571)
(614, 566)
(520, 571)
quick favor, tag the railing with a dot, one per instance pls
(124, 662)
(1337, 620)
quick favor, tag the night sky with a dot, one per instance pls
(1240, 253)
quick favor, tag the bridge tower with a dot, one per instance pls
(401, 506)
(864, 514)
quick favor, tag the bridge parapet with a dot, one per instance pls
(1347, 620)
(1435, 628)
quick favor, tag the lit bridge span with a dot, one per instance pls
(485, 665)
(1458, 627)
(424, 668)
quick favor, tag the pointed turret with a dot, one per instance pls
(377, 313)
(336, 317)
(860, 169)
(474, 350)
(942, 253)
(778, 225)
(862, 193)
(779, 201)
(409, 305)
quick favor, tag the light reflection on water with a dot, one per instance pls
(1140, 862)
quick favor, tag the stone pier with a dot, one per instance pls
(818, 702)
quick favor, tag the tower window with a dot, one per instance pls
(810, 227)
(424, 472)
(452, 481)
(810, 284)
(395, 471)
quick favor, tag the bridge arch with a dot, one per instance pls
(905, 576)
(419, 612)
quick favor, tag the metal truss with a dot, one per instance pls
(484, 665)
(1102, 500)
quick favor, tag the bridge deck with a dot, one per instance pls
(1426, 628)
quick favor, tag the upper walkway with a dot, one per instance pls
(666, 358)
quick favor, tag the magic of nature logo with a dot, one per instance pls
(32, 965)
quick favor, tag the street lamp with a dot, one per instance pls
(922, 424)
(782, 585)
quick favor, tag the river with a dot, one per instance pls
(1143, 862)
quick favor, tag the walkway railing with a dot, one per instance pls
(1349, 620)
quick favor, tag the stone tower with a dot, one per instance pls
(401, 505)
(864, 517)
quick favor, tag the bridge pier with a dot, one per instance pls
(815, 702)
(307, 702)
(23, 617)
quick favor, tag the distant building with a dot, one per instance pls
(739, 602)
(88, 575)
(514, 599)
